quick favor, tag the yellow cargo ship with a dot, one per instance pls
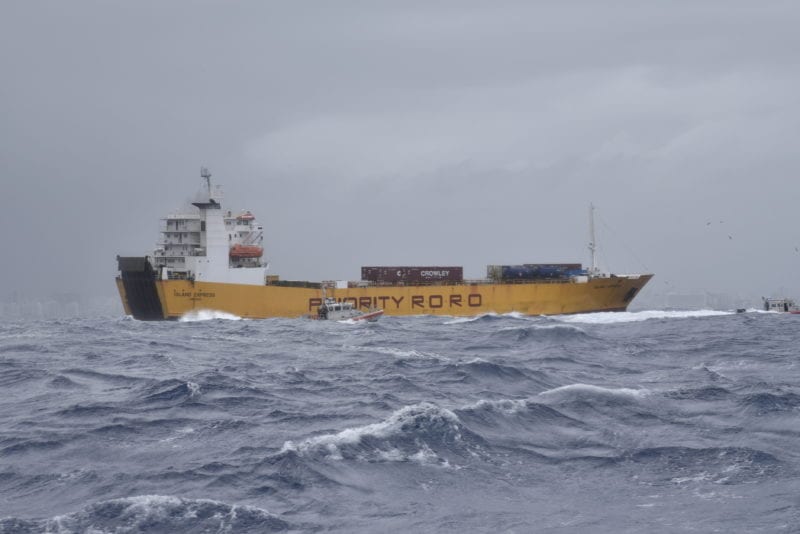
(208, 259)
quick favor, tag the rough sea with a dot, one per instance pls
(650, 421)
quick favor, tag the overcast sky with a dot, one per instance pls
(402, 133)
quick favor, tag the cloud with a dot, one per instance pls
(485, 128)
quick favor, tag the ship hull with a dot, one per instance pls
(179, 297)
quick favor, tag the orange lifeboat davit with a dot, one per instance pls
(246, 251)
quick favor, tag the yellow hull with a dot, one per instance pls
(178, 297)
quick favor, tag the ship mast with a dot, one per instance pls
(592, 242)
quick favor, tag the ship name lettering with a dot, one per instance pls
(437, 301)
(474, 300)
(181, 293)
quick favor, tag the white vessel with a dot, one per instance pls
(784, 305)
(332, 310)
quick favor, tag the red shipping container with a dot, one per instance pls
(412, 275)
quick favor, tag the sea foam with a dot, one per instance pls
(400, 437)
(207, 315)
(634, 317)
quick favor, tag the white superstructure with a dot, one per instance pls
(780, 305)
(211, 245)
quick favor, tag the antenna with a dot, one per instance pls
(592, 243)
(206, 175)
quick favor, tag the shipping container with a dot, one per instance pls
(534, 271)
(412, 275)
(567, 266)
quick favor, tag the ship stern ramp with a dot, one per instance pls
(137, 287)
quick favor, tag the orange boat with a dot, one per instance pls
(246, 251)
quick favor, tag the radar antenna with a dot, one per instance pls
(206, 175)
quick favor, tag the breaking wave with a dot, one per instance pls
(423, 433)
(595, 394)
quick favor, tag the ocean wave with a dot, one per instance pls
(360, 322)
(153, 513)
(207, 315)
(402, 354)
(62, 382)
(536, 431)
(719, 465)
(708, 393)
(423, 433)
(25, 348)
(34, 445)
(88, 410)
(153, 427)
(484, 317)
(480, 368)
(14, 376)
(537, 332)
(506, 406)
(509, 407)
(763, 403)
(635, 317)
(172, 390)
(595, 394)
(116, 379)
(492, 413)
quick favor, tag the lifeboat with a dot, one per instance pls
(246, 216)
(246, 251)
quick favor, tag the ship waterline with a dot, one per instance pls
(175, 298)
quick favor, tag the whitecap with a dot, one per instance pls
(194, 389)
(506, 406)
(530, 327)
(399, 353)
(634, 317)
(207, 315)
(473, 318)
(460, 320)
(582, 391)
(402, 421)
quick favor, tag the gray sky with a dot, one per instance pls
(439, 133)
